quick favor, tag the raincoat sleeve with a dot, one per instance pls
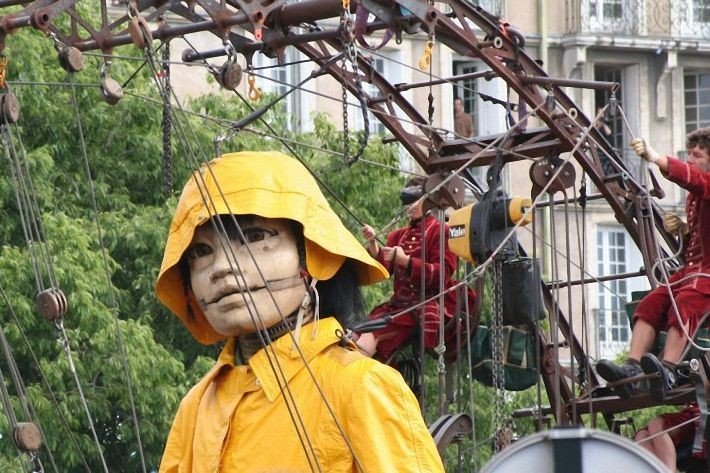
(431, 268)
(386, 426)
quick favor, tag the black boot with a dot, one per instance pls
(613, 373)
(665, 379)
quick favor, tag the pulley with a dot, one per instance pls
(229, 75)
(451, 194)
(71, 59)
(543, 171)
(9, 107)
(27, 437)
(52, 303)
(111, 91)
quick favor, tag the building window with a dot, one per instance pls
(701, 11)
(606, 10)
(615, 132)
(612, 254)
(273, 78)
(697, 100)
(691, 18)
(467, 91)
(491, 6)
(610, 126)
(607, 16)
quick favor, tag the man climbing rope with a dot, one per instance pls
(413, 254)
(680, 310)
(254, 256)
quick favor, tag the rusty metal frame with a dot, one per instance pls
(467, 30)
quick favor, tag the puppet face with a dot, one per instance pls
(700, 157)
(220, 279)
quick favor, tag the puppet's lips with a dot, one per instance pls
(229, 291)
(274, 285)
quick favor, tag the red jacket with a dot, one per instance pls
(408, 280)
(697, 208)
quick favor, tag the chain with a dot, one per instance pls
(167, 141)
(425, 65)
(497, 349)
(346, 134)
(35, 463)
(347, 37)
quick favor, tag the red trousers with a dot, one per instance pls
(657, 310)
(686, 433)
(400, 329)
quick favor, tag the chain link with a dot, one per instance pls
(346, 133)
(347, 35)
(497, 349)
(35, 463)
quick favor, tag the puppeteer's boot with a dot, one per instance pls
(612, 373)
(664, 381)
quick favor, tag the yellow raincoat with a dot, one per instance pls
(236, 418)
(343, 412)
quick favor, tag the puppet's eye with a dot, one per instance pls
(254, 234)
(198, 250)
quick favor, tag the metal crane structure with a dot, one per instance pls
(250, 27)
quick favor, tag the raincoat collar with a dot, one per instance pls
(313, 340)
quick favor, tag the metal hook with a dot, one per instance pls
(219, 139)
(105, 68)
(613, 104)
(58, 44)
(229, 49)
(132, 9)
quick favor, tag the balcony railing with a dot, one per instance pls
(664, 19)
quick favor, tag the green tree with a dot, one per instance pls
(107, 266)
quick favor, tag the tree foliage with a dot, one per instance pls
(106, 256)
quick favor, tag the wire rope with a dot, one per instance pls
(113, 304)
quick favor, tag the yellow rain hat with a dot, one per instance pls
(269, 184)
